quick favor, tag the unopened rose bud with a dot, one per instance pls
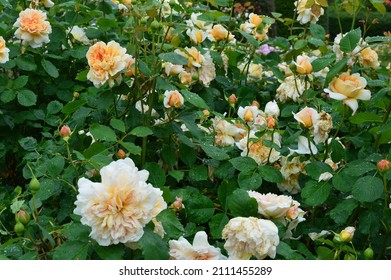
(347, 234)
(270, 122)
(65, 132)
(206, 113)
(256, 104)
(293, 212)
(121, 154)
(177, 205)
(19, 228)
(76, 95)
(232, 99)
(272, 109)
(22, 217)
(383, 165)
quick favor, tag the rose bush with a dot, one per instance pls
(161, 129)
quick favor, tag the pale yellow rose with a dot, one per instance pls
(218, 33)
(303, 64)
(33, 28)
(349, 88)
(271, 205)
(196, 36)
(307, 117)
(255, 19)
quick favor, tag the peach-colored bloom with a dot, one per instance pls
(106, 61)
(173, 98)
(181, 249)
(308, 14)
(383, 165)
(194, 57)
(118, 208)
(218, 33)
(4, 57)
(185, 77)
(197, 36)
(33, 28)
(303, 64)
(248, 113)
(349, 88)
(255, 19)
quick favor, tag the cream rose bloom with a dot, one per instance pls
(272, 206)
(181, 249)
(4, 56)
(218, 33)
(193, 56)
(348, 88)
(308, 14)
(303, 64)
(197, 36)
(272, 109)
(226, 133)
(290, 88)
(79, 35)
(259, 152)
(247, 237)
(173, 98)
(106, 61)
(118, 208)
(33, 28)
(207, 73)
(290, 170)
(248, 113)
(307, 117)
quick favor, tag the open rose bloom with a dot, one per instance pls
(33, 28)
(349, 88)
(118, 208)
(106, 61)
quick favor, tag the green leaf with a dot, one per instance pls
(20, 82)
(76, 231)
(299, 44)
(336, 69)
(244, 163)
(317, 31)
(174, 58)
(242, 205)
(350, 40)
(316, 168)
(102, 132)
(341, 213)
(215, 152)
(283, 249)
(144, 68)
(50, 68)
(118, 125)
(270, 174)
(171, 224)
(141, 131)
(72, 250)
(379, 6)
(54, 107)
(369, 223)
(28, 143)
(169, 154)
(315, 193)
(152, 246)
(5, 3)
(250, 38)
(337, 151)
(177, 175)
(324, 253)
(107, 23)
(343, 182)
(73, 106)
(132, 148)
(7, 96)
(26, 63)
(359, 168)
(322, 62)
(49, 188)
(198, 173)
(15, 207)
(316, 42)
(225, 189)
(365, 117)
(217, 224)
(249, 180)
(194, 99)
(377, 39)
(156, 174)
(26, 98)
(55, 165)
(368, 189)
(112, 252)
(199, 208)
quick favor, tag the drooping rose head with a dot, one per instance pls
(33, 28)
(303, 65)
(4, 57)
(255, 19)
(173, 98)
(369, 58)
(348, 88)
